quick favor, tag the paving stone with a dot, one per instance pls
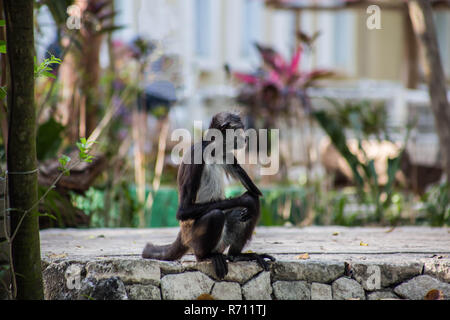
(320, 291)
(314, 271)
(239, 272)
(382, 295)
(258, 288)
(103, 289)
(185, 286)
(345, 289)
(418, 287)
(129, 271)
(62, 280)
(227, 291)
(292, 290)
(374, 276)
(143, 292)
(439, 269)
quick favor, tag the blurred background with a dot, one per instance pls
(358, 145)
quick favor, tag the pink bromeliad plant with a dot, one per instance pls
(279, 86)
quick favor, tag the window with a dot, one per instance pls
(335, 46)
(251, 27)
(206, 33)
(344, 37)
(203, 28)
(442, 26)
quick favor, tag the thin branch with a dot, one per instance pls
(53, 186)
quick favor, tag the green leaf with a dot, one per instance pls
(2, 46)
(48, 74)
(336, 133)
(393, 165)
(43, 68)
(372, 173)
(2, 23)
(3, 93)
(64, 160)
(47, 215)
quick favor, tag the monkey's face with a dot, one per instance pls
(235, 139)
(232, 130)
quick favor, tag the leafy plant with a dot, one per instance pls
(48, 139)
(364, 173)
(273, 85)
(84, 147)
(436, 205)
(44, 69)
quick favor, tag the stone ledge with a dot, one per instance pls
(86, 264)
(134, 278)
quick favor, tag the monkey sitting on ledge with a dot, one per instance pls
(210, 223)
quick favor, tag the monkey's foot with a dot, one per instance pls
(259, 258)
(220, 264)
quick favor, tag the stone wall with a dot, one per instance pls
(134, 278)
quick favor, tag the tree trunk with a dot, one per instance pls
(411, 65)
(3, 64)
(422, 19)
(89, 62)
(21, 149)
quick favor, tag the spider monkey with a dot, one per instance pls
(210, 223)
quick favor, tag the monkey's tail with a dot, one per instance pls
(167, 252)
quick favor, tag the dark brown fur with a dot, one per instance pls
(209, 227)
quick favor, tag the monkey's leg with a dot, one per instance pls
(243, 224)
(206, 240)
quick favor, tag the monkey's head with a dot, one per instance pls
(232, 129)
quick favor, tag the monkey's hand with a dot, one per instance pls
(245, 215)
(248, 200)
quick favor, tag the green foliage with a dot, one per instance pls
(337, 135)
(3, 92)
(84, 147)
(57, 208)
(364, 122)
(63, 164)
(2, 46)
(2, 42)
(364, 117)
(44, 69)
(436, 205)
(48, 139)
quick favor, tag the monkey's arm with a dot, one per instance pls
(197, 210)
(189, 180)
(237, 172)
